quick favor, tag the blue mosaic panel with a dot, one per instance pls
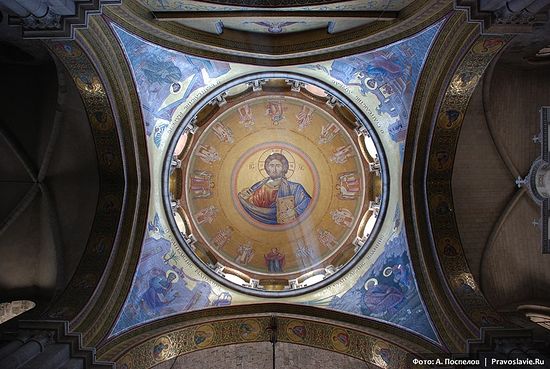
(387, 291)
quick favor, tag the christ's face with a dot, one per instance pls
(274, 169)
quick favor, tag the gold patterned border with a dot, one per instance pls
(170, 342)
(451, 44)
(442, 151)
(111, 181)
(340, 332)
(95, 321)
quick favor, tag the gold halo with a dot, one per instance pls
(369, 280)
(279, 150)
(172, 88)
(172, 272)
(369, 87)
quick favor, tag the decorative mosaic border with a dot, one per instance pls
(323, 335)
(127, 344)
(104, 52)
(111, 182)
(442, 152)
(451, 44)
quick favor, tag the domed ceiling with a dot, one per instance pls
(280, 186)
(276, 184)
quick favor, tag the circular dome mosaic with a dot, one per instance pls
(274, 185)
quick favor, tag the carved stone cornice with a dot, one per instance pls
(274, 3)
(57, 335)
(53, 25)
(500, 21)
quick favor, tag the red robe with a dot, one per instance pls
(264, 197)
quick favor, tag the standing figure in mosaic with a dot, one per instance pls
(326, 238)
(274, 261)
(201, 184)
(342, 217)
(303, 118)
(222, 237)
(328, 132)
(342, 154)
(304, 254)
(245, 116)
(245, 253)
(208, 154)
(275, 111)
(349, 187)
(206, 215)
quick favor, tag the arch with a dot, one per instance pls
(436, 118)
(361, 338)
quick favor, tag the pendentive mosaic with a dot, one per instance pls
(381, 83)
